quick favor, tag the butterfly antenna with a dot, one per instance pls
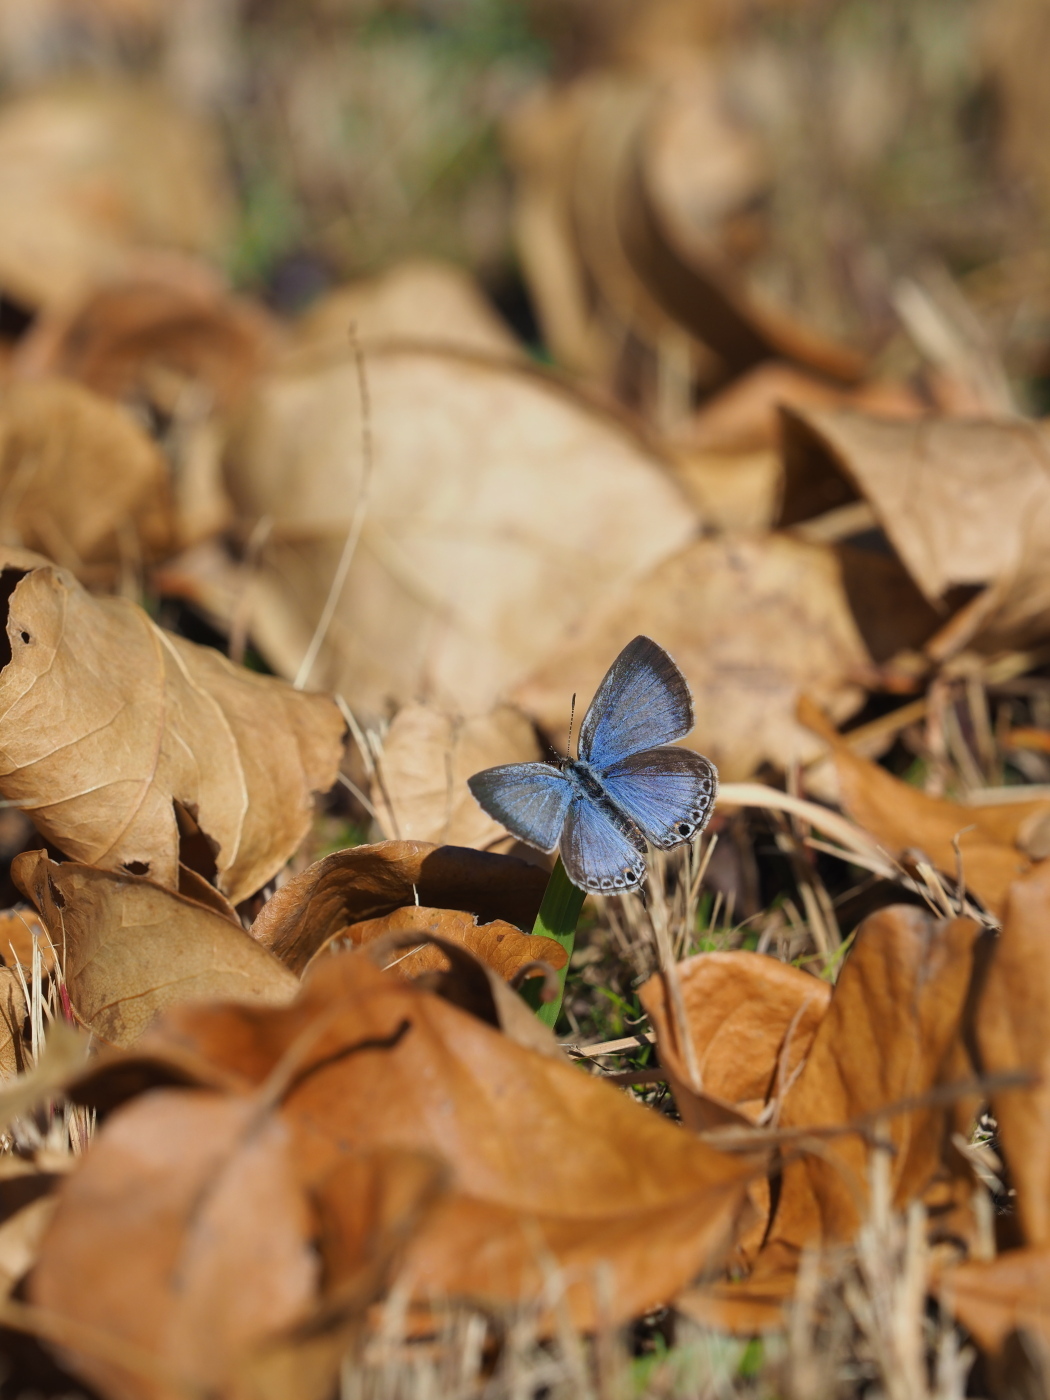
(572, 716)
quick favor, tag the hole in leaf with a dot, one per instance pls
(26, 637)
(57, 897)
(137, 867)
(196, 850)
(9, 581)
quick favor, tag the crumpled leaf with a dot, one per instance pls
(420, 792)
(752, 622)
(90, 172)
(1011, 1035)
(891, 1033)
(962, 502)
(550, 1165)
(499, 945)
(991, 839)
(421, 299)
(464, 575)
(158, 721)
(370, 882)
(130, 947)
(752, 1021)
(77, 475)
(994, 1297)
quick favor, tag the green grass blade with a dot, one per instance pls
(557, 919)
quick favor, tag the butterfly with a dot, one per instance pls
(627, 787)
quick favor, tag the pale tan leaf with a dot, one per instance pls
(157, 721)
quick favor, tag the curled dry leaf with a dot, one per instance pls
(962, 502)
(1012, 1035)
(751, 1020)
(499, 945)
(92, 171)
(159, 724)
(370, 882)
(420, 299)
(891, 1033)
(466, 572)
(993, 1298)
(753, 623)
(131, 947)
(20, 930)
(79, 479)
(904, 819)
(549, 1165)
(420, 792)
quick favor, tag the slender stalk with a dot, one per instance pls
(557, 919)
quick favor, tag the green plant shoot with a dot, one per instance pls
(557, 919)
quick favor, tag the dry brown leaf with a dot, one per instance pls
(994, 1297)
(419, 299)
(903, 819)
(169, 341)
(186, 1237)
(751, 1020)
(1012, 1035)
(466, 572)
(13, 1011)
(962, 502)
(157, 721)
(370, 882)
(130, 947)
(892, 1032)
(753, 623)
(79, 480)
(733, 492)
(421, 791)
(499, 945)
(20, 1238)
(550, 1165)
(91, 171)
(19, 929)
(746, 415)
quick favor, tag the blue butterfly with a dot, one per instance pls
(623, 790)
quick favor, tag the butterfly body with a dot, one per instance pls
(629, 786)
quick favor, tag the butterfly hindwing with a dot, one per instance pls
(643, 701)
(669, 793)
(597, 855)
(530, 799)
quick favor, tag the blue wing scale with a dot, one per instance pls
(598, 856)
(669, 793)
(643, 701)
(530, 799)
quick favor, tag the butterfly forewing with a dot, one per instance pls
(643, 701)
(668, 793)
(597, 855)
(530, 799)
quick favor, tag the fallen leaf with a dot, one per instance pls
(167, 340)
(61, 1060)
(420, 792)
(79, 479)
(891, 1033)
(752, 623)
(960, 501)
(370, 882)
(904, 819)
(19, 930)
(1011, 1035)
(751, 1020)
(420, 299)
(745, 416)
(20, 1238)
(186, 1237)
(158, 723)
(92, 171)
(465, 574)
(130, 947)
(499, 945)
(13, 1011)
(550, 1165)
(994, 1297)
